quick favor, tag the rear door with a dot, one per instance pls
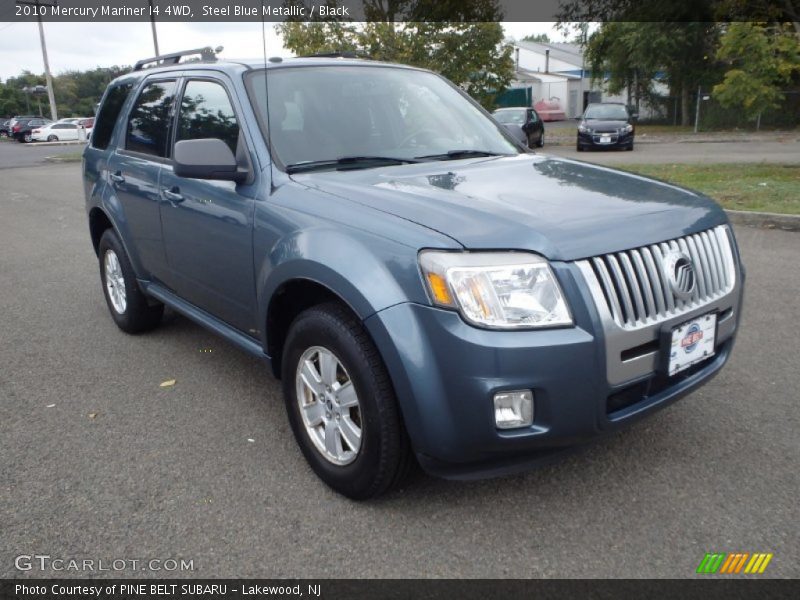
(134, 168)
(208, 225)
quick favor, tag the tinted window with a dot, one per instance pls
(516, 117)
(109, 112)
(148, 124)
(206, 112)
(606, 111)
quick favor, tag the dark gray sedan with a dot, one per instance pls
(524, 124)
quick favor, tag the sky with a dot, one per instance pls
(80, 46)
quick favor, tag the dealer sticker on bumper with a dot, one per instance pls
(692, 342)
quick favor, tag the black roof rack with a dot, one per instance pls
(207, 54)
(344, 54)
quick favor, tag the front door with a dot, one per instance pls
(208, 225)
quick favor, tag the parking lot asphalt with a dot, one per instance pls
(13, 154)
(99, 462)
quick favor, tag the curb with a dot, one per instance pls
(61, 159)
(765, 220)
(43, 144)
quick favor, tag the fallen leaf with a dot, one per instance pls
(167, 383)
(92, 415)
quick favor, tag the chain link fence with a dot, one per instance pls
(713, 116)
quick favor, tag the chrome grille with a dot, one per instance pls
(634, 286)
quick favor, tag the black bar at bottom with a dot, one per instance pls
(711, 588)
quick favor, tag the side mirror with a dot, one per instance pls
(208, 158)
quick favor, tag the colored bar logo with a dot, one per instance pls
(734, 563)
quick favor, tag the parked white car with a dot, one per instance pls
(55, 132)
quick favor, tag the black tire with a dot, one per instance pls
(27, 138)
(540, 144)
(630, 147)
(139, 314)
(579, 147)
(52, 138)
(384, 459)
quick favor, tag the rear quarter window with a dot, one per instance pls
(108, 115)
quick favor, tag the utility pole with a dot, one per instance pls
(697, 109)
(153, 27)
(50, 94)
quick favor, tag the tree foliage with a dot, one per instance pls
(761, 62)
(76, 92)
(471, 54)
(537, 37)
(629, 55)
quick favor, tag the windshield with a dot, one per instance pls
(328, 113)
(615, 112)
(511, 117)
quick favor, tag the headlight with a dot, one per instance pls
(506, 290)
(628, 128)
(584, 129)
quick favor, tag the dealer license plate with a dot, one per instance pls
(692, 342)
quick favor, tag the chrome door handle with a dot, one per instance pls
(173, 195)
(117, 177)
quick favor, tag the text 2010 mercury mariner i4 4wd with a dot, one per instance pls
(426, 289)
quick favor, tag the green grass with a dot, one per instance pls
(69, 157)
(758, 187)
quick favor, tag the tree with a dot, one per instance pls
(631, 54)
(537, 37)
(762, 59)
(469, 53)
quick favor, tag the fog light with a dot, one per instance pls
(513, 409)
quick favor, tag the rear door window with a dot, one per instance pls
(108, 115)
(148, 127)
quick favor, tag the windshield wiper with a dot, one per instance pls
(456, 154)
(349, 162)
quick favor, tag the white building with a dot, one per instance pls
(555, 78)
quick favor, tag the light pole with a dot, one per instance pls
(153, 27)
(50, 94)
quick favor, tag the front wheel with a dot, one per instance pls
(129, 307)
(341, 404)
(27, 138)
(52, 138)
(540, 144)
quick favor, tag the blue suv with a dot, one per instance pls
(428, 291)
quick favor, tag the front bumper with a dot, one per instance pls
(615, 139)
(446, 372)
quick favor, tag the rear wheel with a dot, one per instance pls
(27, 138)
(52, 138)
(341, 404)
(129, 307)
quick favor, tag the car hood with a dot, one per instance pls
(562, 209)
(604, 124)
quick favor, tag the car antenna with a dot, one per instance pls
(266, 97)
